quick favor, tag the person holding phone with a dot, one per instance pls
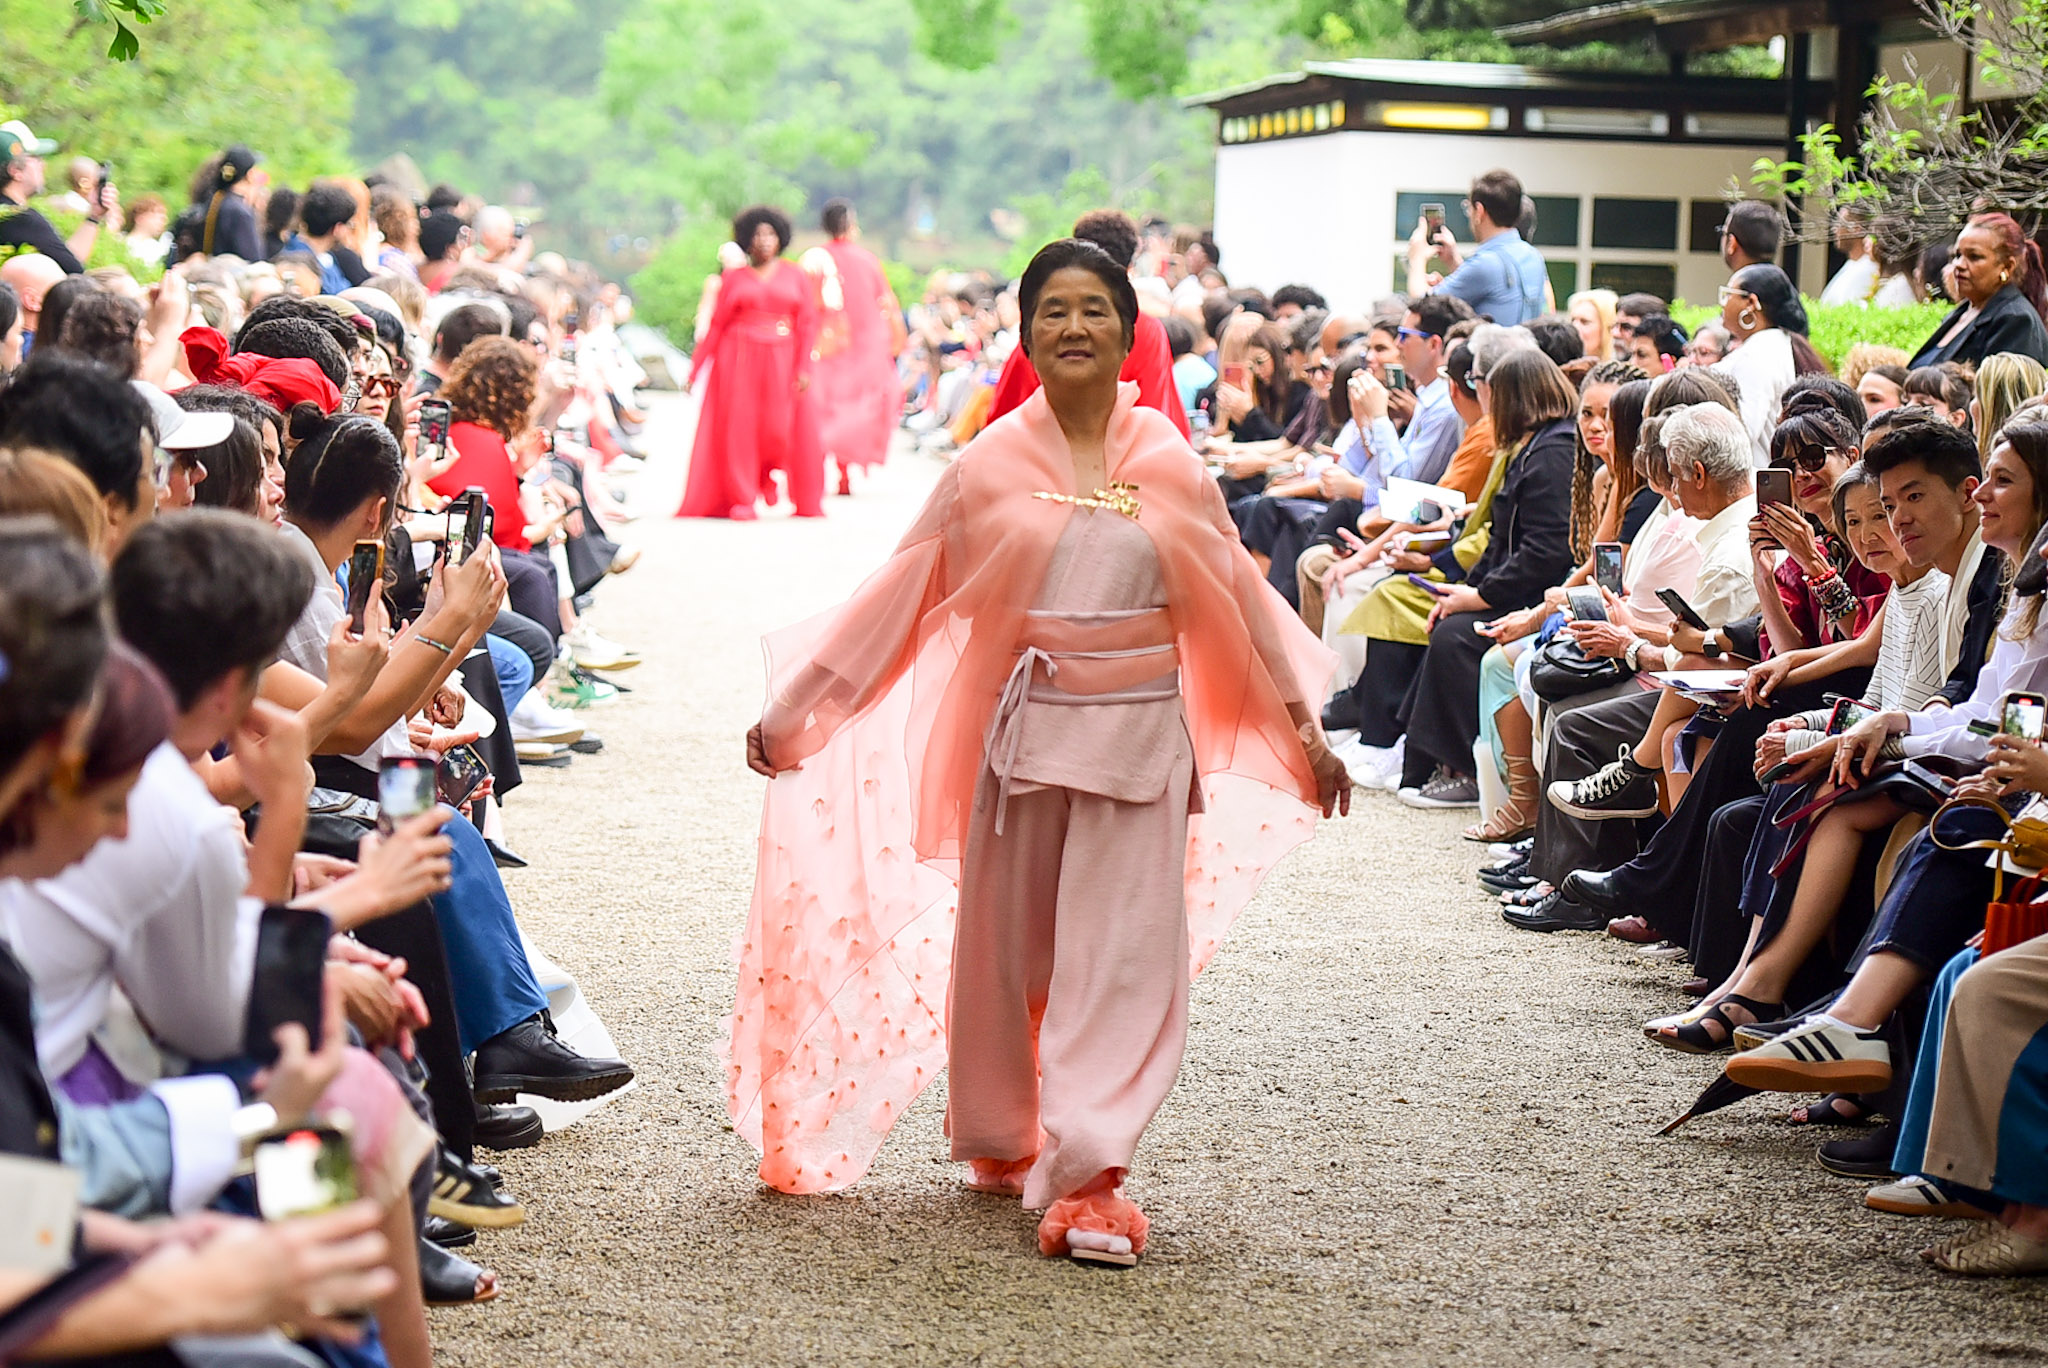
(1795, 556)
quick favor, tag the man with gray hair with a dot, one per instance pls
(1709, 454)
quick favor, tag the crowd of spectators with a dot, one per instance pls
(1703, 631)
(218, 938)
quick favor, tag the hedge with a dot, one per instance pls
(1834, 328)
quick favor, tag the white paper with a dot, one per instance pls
(1401, 499)
(1701, 681)
(41, 1202)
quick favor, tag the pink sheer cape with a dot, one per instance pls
(884, 703)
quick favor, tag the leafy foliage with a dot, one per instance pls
(1834, 328)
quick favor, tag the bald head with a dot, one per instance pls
(493, 228)
(1337, 328)
(31, 274)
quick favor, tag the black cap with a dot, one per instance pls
(235, 165)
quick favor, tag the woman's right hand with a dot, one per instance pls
(353, 661)
(1233, 402)
(1856, 752)
(310, 1272)
(1763, 679)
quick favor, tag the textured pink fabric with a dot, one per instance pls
(886, 701)
(859, 396)
(1109, 1213)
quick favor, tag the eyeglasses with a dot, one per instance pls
(1417, 334)
(1729, 292)
(1319, 368)
(381, 384)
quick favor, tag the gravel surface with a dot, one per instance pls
(1405, 1132)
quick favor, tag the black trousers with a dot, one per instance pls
(532, 589)
(1667, 870)
(1441, 708)
(1718, 930)
(1581, 741)
(412, 934)
(1382, 690)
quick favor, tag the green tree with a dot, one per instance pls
(255, 71)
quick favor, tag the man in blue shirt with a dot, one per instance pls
(1503, 279)
(323, 213)
(1424, 451)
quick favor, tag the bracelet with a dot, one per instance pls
(443, 647)
(1836, 598)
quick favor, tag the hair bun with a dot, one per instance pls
(306, 420)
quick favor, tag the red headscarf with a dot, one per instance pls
(280, 382)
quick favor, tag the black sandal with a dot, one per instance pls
(1829, 1112)
(450, 1280)
(1694, 1038)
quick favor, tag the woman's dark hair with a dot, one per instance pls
(1776, 296)
(1272, 398)
(1457, 365)
(1815, 426)
(286, 338)
(1808, 392)
(749, 221)
(1688, 386)
(1529, 392)
(136, 714)
(2029, 441)
(83, 412)
(1084, 255)
(57, 302)
(1113, 231)
(492, 384)
(52, 634)
(338, 329)
(1934, 260)
(102, 326)
(1557, 339)
(339, 463)
(1955, 385)
(244, 405)
(281, 209)
(1349, 364)
(1625, 418)
(10, 307)
(1857, 476)
(234, 469)
(1180, 335)
(1623, 482)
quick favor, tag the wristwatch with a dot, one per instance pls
(1634, 654)
(1710, 644)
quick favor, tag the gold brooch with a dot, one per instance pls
(1120, 497)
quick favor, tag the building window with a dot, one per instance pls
(1557, 220)
(1703, 230)
(1408, 209)
(1599, 123)
(1564, 279)
(1634, 277)
(1643, 223)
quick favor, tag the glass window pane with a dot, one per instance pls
(1557, 220)
(1646, 223)
(1408, 208)
(1636, 277)
(1564, 279)
(1703, 231)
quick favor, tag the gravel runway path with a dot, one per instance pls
(1405, 1133)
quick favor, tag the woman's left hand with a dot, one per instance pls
(1462, 598)
(1333, 781)
(1601, 639)
(2017, 764)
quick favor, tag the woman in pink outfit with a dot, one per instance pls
(1070, 705)
(859, 395)
(758, 415)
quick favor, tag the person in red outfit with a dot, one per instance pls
(859, 396)
(758, 415)
(1149, 364)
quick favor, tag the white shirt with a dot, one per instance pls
(1854, 283)
(1762, 366)
(1912, 660)
(1895, 293)
(1190, 293)
(305, 645)
(162, 913)
(1725, 591)
(2015, 666)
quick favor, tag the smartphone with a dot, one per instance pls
(1682, 610)
(1848, 712)
(465, 524)
(365, 579)
(1433, 218)
(1234, 373)
(2022, 715)
(304, 1171)
(436, 417)
(99, 190)
(1607, 566)
(1433, 586)
(461, 770)
(1773, 486)
(1586, 604)
(405, 788)
(569, 349)
(286, 985)
(1397, 376)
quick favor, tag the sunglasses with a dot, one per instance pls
(1320, 368)
(1417, 334)
(1812, 460)
(381, 384)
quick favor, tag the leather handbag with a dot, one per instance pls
(1561, 670)
(2007, 922)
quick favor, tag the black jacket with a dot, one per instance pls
(2007, 323)
(1530, 546)
(1985, 605)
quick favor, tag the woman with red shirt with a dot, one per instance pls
(758, 414)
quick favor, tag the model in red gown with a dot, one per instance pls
(757, 413)
(859, 396)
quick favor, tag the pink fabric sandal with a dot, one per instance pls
(1105, 1227)
(1003, 1177)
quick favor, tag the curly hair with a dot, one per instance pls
(750, 220)
(493, 384)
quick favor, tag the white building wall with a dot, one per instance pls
(1319, 210)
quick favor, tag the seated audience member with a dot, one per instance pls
(85, 413)
(1632, 309)
(1997, 279)
(1881, 388)
(1710, 345)
(1657, 345)
(2005, 381)
(1761, 310)
(1591, 313)
(1557, 339)
(266, 499)
(1423, 451)
(1191, 374)
(1421, 677)
(1947, 388)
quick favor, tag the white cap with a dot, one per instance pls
(177, 430)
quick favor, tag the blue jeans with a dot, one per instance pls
(513, 668)
(492, 982)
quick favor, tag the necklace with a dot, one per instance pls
(1120, 497)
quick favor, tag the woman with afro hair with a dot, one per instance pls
(757, 414)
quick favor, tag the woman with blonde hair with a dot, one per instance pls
(2004, 382)
(1592, 316)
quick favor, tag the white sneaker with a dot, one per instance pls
(593, 652)
(1817, 1055)
(534, 720)
(1373, 767)
(1662, 950)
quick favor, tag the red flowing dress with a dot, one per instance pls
(755, 417)
(859, 394)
